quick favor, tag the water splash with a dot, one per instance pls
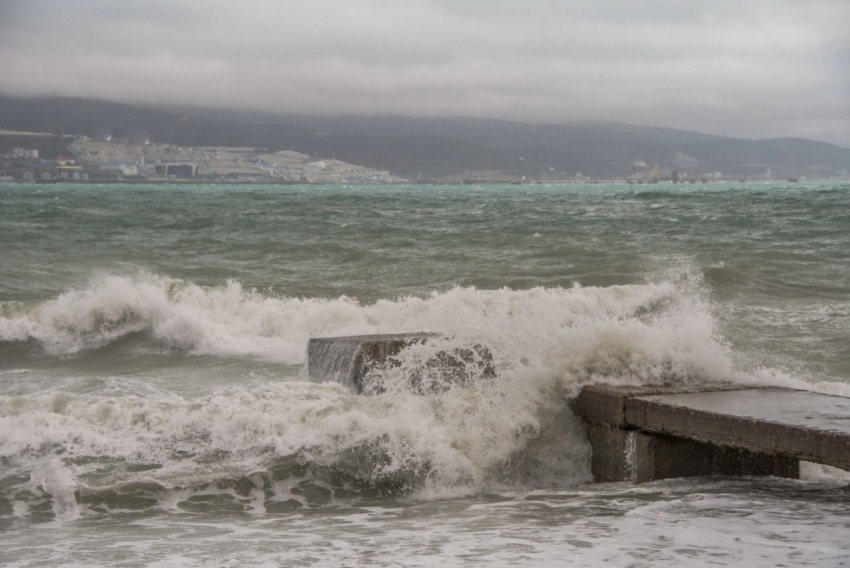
(545, 344)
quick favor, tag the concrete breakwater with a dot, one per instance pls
(361, 362)
(646, 433)
(637, 433)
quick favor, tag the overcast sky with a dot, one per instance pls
(750, 68)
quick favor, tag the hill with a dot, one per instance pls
(437, 147)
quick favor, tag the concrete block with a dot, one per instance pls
(348, 360)
(357, 362)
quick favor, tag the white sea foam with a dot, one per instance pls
(546, 343)
(673, 523)
(581, 323)
(61, 484)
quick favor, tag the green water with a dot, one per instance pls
(154, 406)
(776, 258)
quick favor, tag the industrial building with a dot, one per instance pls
(176, 169)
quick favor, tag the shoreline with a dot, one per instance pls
(412, 183)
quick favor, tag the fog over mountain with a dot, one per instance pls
(434, 148)
(756, 69)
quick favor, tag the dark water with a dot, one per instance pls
(152, 392)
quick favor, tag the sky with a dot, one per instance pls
(744, 68)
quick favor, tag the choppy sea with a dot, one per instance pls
(155, 409)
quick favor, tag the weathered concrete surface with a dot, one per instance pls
(631, 455)
(351, 361)
(348, 360)
(610, 459)
(797, 424)
(657, 456)
(712, 429)
(606, 404)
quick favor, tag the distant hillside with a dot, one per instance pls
(407, 156)
(87, 117)
(437, 147)
(605, 148)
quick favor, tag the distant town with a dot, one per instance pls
(136, 159)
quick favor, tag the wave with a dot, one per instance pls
(232, 321)
(513, 430)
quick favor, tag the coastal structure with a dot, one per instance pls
(358, 361)
(645, 433)
(348, 360)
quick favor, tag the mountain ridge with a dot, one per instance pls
(417, 147)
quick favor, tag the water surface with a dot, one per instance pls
(154, 406)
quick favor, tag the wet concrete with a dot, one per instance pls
(799, 424)
(606, 404)
(348, 360)
(359, 362)
(653, 432)
(658, 456)
(636, 432)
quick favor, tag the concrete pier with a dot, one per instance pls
(637, 433)
(646, 433)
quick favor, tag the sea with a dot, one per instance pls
(156, 409)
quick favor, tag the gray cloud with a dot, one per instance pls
(753, 69)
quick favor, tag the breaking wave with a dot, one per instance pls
(644, 324)
(279, 441)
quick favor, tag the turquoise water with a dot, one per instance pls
(153, 338)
